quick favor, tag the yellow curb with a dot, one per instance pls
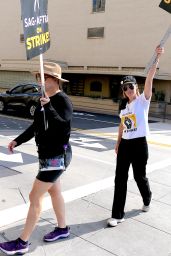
(159, 144)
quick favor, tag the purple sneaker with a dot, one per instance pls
(14, 247)
(56, 234)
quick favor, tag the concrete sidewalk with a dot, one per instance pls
(142, 234)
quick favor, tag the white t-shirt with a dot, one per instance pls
(135, 118)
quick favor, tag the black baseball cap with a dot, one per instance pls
(128, 80)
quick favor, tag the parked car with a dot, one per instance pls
(21, 97)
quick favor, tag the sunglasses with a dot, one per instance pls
(38, 77)
(130, 86)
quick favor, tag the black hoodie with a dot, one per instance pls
(58, 114)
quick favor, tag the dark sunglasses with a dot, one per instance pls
(38, 77)
(125, 87)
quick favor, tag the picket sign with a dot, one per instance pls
(161, 44)
(36, 34)
(166, 5)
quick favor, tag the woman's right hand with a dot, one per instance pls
(11, 146)
(116, 147)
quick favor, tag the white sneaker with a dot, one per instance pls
(114, 222)
(146, 208)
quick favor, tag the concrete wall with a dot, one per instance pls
(132, 30)
(103, 106)
(9, 78)
(107, 106)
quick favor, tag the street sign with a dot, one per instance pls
(166, 5)
(35, 24)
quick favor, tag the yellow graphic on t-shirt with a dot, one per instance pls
(129, 122)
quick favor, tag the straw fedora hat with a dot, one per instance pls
(52, 69)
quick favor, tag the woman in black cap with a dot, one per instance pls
(131, 146)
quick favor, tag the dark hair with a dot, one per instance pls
(122, 103)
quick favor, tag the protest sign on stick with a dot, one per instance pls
(166, 5)
(36, 32)
(161, 44)
(35, 24)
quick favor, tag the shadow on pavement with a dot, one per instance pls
(46, 225)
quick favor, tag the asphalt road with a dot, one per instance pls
(81, 120)
(88, 190)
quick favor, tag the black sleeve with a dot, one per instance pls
(67, 110)
(26, 135)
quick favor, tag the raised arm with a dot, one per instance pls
(151, 74)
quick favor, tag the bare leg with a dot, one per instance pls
(36, 197)
(58, 203)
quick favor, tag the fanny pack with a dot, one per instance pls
(60, 162)
(51, 164)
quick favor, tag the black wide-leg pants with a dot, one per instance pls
(135, 152)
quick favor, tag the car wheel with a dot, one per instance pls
(31, 110)
(2, 106)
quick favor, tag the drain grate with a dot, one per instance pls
(5, 171)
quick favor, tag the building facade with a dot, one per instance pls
(95, 41)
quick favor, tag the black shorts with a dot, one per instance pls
(49, 176)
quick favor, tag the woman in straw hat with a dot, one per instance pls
(131, 146)
(52, 144)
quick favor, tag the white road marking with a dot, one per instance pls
(93, 145)
(83, 139)
(84, 142)
(157, 131)
(11, 215)
(82, 114)
(15, 158)
(96, 120)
